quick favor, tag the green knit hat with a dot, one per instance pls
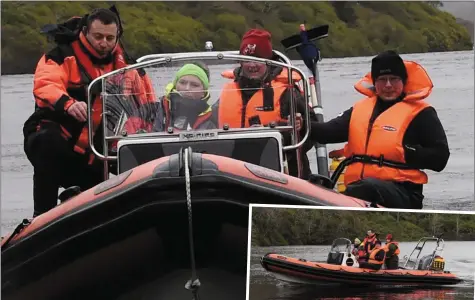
(192, 69)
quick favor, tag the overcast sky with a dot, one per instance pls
(461, 9)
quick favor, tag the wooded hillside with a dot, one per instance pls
(281, 226)
(356, 28)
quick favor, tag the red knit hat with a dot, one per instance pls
(256, 42)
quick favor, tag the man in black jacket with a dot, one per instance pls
(392, 134)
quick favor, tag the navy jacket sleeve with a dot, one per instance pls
(425, 143)
(334, 131)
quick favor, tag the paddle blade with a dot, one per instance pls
(312, 35)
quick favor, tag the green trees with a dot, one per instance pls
(280, 227)
(356, 28)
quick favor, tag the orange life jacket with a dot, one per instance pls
(383, 141)
(136, 85)
(369, 243)
(236, 115)
(372, 257)
(93, 72)
(386, 248)
(71, 78)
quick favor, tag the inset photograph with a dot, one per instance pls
(334, 253)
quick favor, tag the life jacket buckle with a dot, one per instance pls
(381, 161)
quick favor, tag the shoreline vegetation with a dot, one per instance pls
(291, 227)
(356, 28)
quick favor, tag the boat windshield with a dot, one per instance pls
(199, 93)
(341, 245)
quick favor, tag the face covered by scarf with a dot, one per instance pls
(185, 109)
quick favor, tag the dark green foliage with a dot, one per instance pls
(356, 28)
(282, 226)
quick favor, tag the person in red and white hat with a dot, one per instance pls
(256, 43)
(259, 94)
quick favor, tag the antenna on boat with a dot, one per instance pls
(209, 46)
(310, 55)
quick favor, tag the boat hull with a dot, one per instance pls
(129, 252)
(302, 271)
(132, 231)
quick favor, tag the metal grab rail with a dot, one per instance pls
(156, 59)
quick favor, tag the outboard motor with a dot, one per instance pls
(438, 264)
(424, 262)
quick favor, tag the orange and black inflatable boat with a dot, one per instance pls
(301, 270)
(147, 231)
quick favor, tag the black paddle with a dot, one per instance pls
(310, 55)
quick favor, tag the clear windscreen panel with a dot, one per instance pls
(172, 96)
(341, 245)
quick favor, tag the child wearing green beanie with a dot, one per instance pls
(184, 106)
(192, 69)
(196, 69)
(186, 100)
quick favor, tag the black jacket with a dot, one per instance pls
(425, 142)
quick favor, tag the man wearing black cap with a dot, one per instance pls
(392, 134)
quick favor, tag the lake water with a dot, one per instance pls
(453, 96)
(263, 286)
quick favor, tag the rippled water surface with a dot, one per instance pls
(453, 97)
